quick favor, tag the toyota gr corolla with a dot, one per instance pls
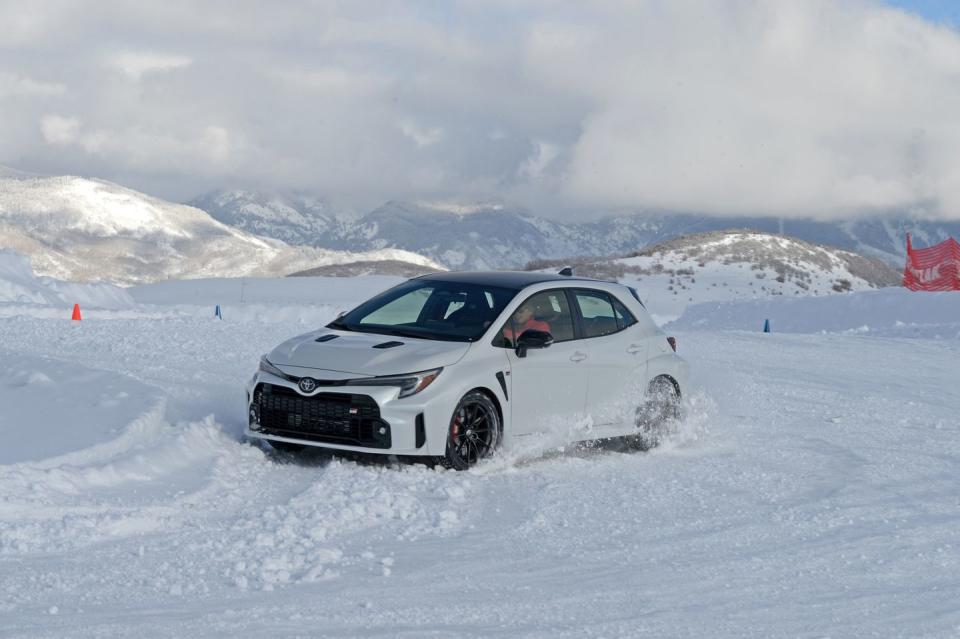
(454, 365)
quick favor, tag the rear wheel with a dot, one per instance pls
(474, 431)
(659, 411)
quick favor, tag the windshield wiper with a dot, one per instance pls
(337, 324)
(403, 333)
(399, 332)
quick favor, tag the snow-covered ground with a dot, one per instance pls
(811, 491)
(887, 312)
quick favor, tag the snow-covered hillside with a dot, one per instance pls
(511, 236)
(19, 284)
(295, 218)
(811, 491)
(86, 230)
(734, 265)
(471, 238)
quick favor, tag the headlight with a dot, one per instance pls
(267, 367)
(409, 384)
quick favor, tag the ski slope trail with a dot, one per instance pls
(811, 491)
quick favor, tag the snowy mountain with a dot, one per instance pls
(734, 265)
(81, 229)
(450, 236)
(496, 236)
(295, 218)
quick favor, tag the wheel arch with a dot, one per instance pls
(493, 397)
(671, 379)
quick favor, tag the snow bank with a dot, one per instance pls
(312, 301)
(55, 408)
(301, 300)
(251, 290)
(18, 284)
(889, 312)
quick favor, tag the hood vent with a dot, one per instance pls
(326, 338)
(388, 344)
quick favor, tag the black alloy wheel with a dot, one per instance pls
(474, 431)
(659, 411)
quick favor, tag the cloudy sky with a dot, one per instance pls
(792, 108)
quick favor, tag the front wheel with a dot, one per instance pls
(474, 431)
(660, 410)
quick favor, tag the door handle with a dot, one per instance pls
(578, 357)
(635, 348)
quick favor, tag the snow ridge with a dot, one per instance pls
(733, 265)
(512, 236)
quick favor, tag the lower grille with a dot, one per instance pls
(336, 418)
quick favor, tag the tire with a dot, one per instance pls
(474, 432)
(654, 418)
(286, 447)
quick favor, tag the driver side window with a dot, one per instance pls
(547, 311)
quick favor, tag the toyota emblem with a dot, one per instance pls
(307, 384)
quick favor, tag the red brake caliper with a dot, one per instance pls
(455, 429)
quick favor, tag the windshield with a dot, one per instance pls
(450, 311)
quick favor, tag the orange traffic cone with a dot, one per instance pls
(76, 312)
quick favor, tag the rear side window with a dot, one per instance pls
(624, 317)
(599, 316)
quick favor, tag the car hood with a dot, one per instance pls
(355, 353)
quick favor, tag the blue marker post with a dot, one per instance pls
(217, 312)
(766, 325)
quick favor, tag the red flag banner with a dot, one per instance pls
(933, 269)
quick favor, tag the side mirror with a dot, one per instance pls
(532, 338)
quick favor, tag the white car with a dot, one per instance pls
(454, 365)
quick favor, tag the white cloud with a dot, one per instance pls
(421, 136)
(332, 82)
(12, 84)
(787, 108)
(136, 64)
(756, 106)
(542, 157)
(217, 144)
(209, 150)
(60, 130)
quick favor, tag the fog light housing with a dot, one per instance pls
(381, 434)
(254, 415)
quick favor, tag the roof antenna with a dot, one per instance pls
(566, 271)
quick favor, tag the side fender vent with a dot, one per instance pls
(503, 384)
(388, 344)
(420, 432)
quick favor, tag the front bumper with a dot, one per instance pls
(360, 419)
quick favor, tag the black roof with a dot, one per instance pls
(504, 279)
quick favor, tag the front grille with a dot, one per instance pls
(336, 418)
